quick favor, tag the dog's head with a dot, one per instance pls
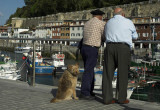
(74, 69)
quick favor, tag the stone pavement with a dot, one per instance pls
(17, 95)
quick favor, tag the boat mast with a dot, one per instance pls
(100, 56)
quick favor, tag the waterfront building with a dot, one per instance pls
(137, 20)
(56, 32)
(40, 32)
(26, 34)
(17, 32)
(56, 29)
(148, 28)
(3, 31)
(50, 29)
(65, 29)
(76, 29)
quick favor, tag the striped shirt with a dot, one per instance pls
(93, 32)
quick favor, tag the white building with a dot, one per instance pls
(25, 34)
(4, 34)
(43, 32)
(76, 32)
(17, 31)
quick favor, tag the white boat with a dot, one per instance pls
(8, 69)
(58, 59)
(98, 82)
(22, 49)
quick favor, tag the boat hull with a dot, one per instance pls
(44, 70)
(41, 70)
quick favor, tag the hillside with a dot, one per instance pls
(36, 8)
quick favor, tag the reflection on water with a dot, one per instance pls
(48, 80)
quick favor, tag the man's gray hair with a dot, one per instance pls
(119, 13)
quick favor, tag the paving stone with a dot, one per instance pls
(17, 95)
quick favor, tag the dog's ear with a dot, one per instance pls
(77, 64)
(69, 67)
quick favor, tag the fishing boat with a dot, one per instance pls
(42, 66)
(8, 69)
(98, 82)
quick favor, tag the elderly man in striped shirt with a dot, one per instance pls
(93, 36)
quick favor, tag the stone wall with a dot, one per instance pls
(141, 9)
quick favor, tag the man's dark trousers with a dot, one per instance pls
(89, 55)
(115, 56)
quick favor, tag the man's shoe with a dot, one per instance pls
(112, 102)
(124, 102)
(83, 97)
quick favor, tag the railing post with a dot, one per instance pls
(33, 63)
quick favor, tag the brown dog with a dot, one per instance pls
(67, 84)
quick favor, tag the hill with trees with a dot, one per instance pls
(36, 8)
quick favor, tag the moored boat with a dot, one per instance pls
(22, 49)
(8, 69)
(98, 81)
(42, 66)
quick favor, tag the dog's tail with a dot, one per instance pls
(54, 100)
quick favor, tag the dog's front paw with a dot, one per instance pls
(76, 98)
(53, 100)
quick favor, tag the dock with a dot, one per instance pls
(18, 95)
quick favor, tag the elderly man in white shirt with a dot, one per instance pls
(119, 32)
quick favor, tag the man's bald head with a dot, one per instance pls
(118, 11)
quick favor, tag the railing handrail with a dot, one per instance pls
(50, 39)
(38, 39)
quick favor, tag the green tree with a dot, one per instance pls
(35, 8)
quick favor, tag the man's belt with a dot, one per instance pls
(91, 46)
(118, 43)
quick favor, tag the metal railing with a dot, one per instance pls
(145, 61)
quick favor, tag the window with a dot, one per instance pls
(138, 20)
(73, 34)
(139, 34)
(63, 29)
(72, 28)
(82, 28)
(67, 28)
(78, 28)
(62, 34)
(58, 29)
(145, 34)
(145, 27)
(78, 34)
(67, 34)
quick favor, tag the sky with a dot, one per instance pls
(8, 7)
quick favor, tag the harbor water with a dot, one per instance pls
(45, 79)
